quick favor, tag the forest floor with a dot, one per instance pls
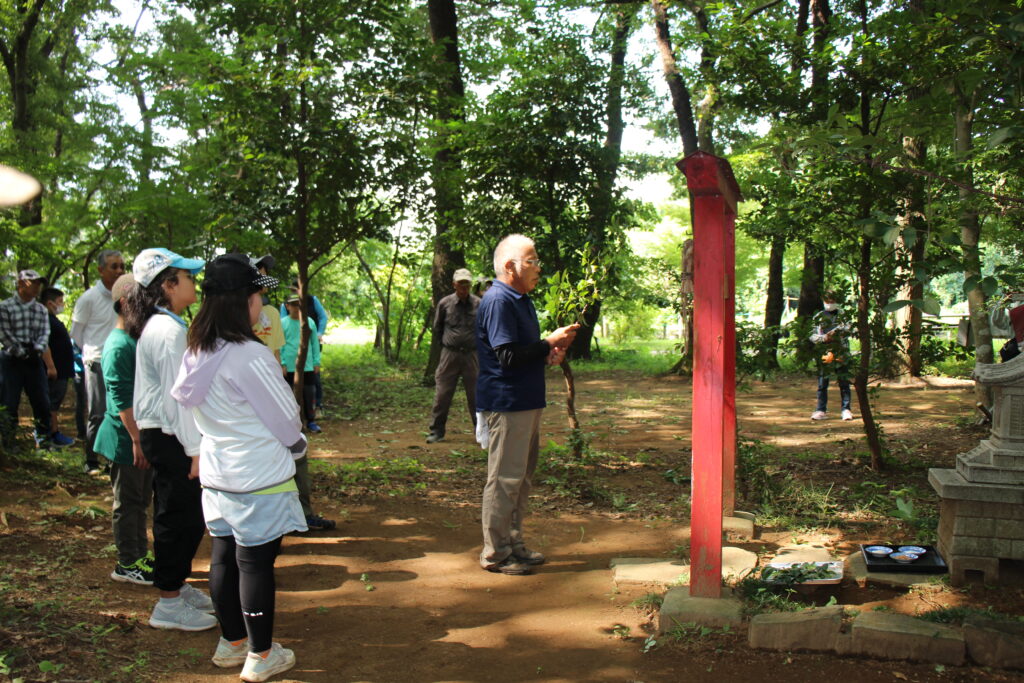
(395, 593)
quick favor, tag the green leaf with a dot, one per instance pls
(931, 306)
(894, 306)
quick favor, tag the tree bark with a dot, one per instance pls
(775, 300)
(680, 94)
(601, 206)
(970, 237)
(446, 169)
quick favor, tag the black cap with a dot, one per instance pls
(232, 272)
(267, 261)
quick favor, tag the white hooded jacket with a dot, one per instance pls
(246, 413)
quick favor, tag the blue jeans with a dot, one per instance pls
(844, 392)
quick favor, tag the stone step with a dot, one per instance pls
(736, 562)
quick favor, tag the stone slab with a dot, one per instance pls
(898, 636)
(650, 570)
(805, 552)
(736, 562)
(745, 515)
(738, 526)
(950, 484)
(815, 630)
(857, 569)
(995, 643)
(679, 608)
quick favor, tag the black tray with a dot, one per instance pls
(929, 563)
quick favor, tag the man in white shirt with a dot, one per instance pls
(93, 319)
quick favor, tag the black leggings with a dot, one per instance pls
(309, 381)
(242, 588)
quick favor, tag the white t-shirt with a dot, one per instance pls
(92, 320)
(157, 359)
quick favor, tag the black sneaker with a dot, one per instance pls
(511, 566)
(434, 438)
(318, 523)
(138, 573)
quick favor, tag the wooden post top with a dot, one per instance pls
(707, 175)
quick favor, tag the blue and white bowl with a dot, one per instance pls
(878, 550)
(915, 549)
(904, 558)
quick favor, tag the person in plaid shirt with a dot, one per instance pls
(24, 334)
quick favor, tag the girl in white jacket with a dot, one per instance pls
(251, 435)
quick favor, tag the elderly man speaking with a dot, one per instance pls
(510, 396)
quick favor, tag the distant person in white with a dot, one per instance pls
(91, 323)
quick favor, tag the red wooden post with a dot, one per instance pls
(715, 194)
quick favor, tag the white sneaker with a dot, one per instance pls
(228, 655)
(259, 669)
(196, 598)
(175, 613)
(818, 415)
(847, 415)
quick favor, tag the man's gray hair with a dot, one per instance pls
(507, 249)
(101, 258)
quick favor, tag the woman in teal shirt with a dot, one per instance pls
(117, 439)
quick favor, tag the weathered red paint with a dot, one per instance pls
(715, 194)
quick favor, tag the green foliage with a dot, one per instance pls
(957, 614)
(372, 476)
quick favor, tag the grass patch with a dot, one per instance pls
(958, 614)
(372, 476)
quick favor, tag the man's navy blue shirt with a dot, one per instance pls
(507, 317)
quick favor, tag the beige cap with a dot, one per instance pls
(122, 286)
(462, 275)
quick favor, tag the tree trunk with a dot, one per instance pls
(446, 169)
(601, 206)
(570, 408)
(908, 318)
(680, 94)
(811, 282)
(970, 237)
(775, 300)
(860, 380)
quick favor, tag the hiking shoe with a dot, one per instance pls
(137, 573)
(847, 415)
(196, 598)
(258, 668)
(318, 523)
(43, 443)
(434, 438)
(61, 440)
(526, 556)
(92, 469)
(314, 428)
(511, 566)
(175, 613)
(228, 655)
(818, 415)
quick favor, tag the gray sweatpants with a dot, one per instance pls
(133, 493)
(452, 365)
(96, 405)
(511, 459)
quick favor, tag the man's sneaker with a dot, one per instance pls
(434, 438)
(137, 573)
(847, 415)
(527, 556)
(314, 428)
(258, 668)
(228, 655)
(318, 523)
(818, 415)
(511, 566)
(196, 598)
(175, 613)
(61, 440)
(92, 469)
(44, 443)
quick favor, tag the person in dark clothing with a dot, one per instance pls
(24, 333)
(455, 325)
(60, 362)
(831, 335)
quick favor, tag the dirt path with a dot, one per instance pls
(395, 593)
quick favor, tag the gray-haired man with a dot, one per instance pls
(455, 325)
(93, 319)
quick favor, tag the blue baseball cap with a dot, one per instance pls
(151, 262)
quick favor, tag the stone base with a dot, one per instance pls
(995, 643)
(679, 608)
(815, 630)
(736, 562)
(857, 569)
(979, 524)
(897, 636)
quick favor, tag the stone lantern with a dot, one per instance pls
(981, 515)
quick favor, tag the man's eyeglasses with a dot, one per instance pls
(531, 261)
